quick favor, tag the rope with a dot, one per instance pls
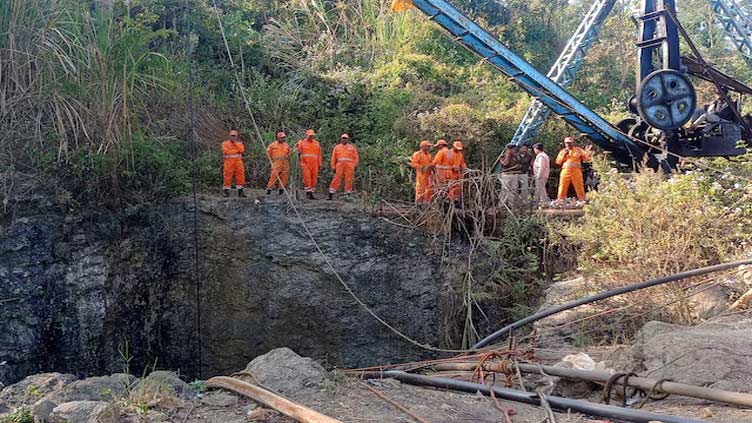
(194, 183)
(651, 395)
(625, 385)
(299, 216)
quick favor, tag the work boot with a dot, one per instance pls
(310, 196)
(281, 191)
(330, 196)
(226, 192)
(268, 192)
(241, 193)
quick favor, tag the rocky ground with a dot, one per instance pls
(164, 397)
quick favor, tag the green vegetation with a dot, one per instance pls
(198, 386)
(646, 226)
(101, 97)
(97, 104)
(21, 415)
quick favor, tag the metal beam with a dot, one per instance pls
(735, 21)
(565, 68)
(553, 96)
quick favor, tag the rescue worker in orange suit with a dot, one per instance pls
(310, 162)
(344, 161)
(401, 5)
(444, 164)
(570, 159)
(233, 150)
(421, 161)
(278, 153)
(455, 190)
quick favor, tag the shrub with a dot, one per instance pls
(642, 226)
(21, 415)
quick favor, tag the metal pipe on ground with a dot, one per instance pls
(646, 384)
(608, 294)
(583, 407)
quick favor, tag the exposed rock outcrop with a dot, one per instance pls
(81, 294)
(85, 412)
(717, 353)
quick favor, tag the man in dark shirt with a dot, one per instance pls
(513, 176)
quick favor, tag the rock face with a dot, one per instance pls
(717, 354)
(83, 294)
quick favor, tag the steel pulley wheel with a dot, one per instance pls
(666, 99)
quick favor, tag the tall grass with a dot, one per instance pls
(315, 35)
(73, 77)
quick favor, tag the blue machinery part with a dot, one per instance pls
(556, 98)
(565, 68)
(732, 17)
(657, 31)
(736, 22)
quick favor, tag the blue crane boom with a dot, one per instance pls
(565, 68)
(553, 96)
(736, 22)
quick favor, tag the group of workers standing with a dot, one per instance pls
(445, 171)
(439, 174)
(344, 161)
(519, 165)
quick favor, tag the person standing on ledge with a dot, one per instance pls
(421, 162)
(570, 159)
(310, 162)
(345, 159)
(233, 150)
(541, 172)
(278, 153)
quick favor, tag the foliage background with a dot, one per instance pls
(102, 94)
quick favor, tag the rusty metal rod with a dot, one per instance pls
(646, 384)
(290, 409)
(584, 407)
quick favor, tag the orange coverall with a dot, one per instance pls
(233, 165)
(344, 161)
(455, 190)
(423, 182)
(571, 171)
(279, 154)
(310, 163)
(444, 161)
(402, 5)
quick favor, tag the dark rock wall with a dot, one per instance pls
(85, 295)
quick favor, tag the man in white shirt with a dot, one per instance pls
(541, 171)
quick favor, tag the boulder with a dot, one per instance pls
(161, 389)
(85, 412)
(100, 388)
(34, 388)
(715, 353)
(42, 410)
(285, 372)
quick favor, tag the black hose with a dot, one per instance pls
(608, 294)
(564, 404)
